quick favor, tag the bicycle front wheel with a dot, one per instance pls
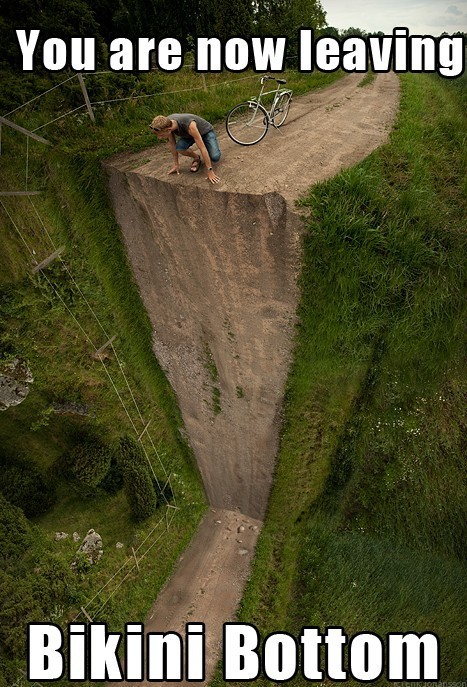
(281, 109)
(247, 123)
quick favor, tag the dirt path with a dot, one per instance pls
(217, 268)
(209, 582)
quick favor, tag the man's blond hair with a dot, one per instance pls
(160, 122)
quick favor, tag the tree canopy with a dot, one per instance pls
(157, 19)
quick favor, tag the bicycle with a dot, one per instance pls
(248, 122)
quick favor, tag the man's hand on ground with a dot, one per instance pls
(174, 170)
(213, 178)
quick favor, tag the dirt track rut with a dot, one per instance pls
(216, 267)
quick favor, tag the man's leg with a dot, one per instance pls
(196, 164)
(184, 148)
(212, 145)
(189, 153)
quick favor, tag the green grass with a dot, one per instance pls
(367, 79)
(209, 364)
(37, 326)
(371, 469)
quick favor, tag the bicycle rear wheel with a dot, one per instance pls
(247, 123)
(281, 109)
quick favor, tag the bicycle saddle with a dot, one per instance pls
(281, 81)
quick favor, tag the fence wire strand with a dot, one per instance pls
(39, 96)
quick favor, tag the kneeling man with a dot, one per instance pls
(190, 129)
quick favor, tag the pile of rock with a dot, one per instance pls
(15, 378)
(90, 548)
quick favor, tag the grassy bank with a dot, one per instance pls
(371, 469)
(56, 320)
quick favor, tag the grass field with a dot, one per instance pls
(371, 469)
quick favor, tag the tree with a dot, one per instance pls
(331, 31)
(286, 17)
(352, 31)
(54, 18)
(205, 21)
(233, 18)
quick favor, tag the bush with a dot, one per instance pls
(113, 481)
(32, 597)
(87, 464)
(16, 533)
(90, 462)
(54, 582)
(137, 481)
(34, 582)
(18, 606)
(23, 485)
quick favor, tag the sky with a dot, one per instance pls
(430, 17)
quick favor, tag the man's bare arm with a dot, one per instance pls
(193, 131)
(175, 169)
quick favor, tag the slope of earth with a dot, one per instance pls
(217, 269)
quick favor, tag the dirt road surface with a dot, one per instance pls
(217, 268)
(210, 580)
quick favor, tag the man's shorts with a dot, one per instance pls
(210, 141)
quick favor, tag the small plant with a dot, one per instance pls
(43, 419)
(367, 79)
(216, 400)
(211, 367)
(81, 563)
(240, 392)
(210, 364)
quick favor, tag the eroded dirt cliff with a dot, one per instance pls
(217, 274)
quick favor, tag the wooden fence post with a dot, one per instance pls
(86, 97)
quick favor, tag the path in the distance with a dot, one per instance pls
(216, 267)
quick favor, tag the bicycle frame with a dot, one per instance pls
(247, 123)
(258, 100)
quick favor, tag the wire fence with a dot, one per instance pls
(90, 104)
(132, 97)
(143, 97)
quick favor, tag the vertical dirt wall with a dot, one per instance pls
(217, 273)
